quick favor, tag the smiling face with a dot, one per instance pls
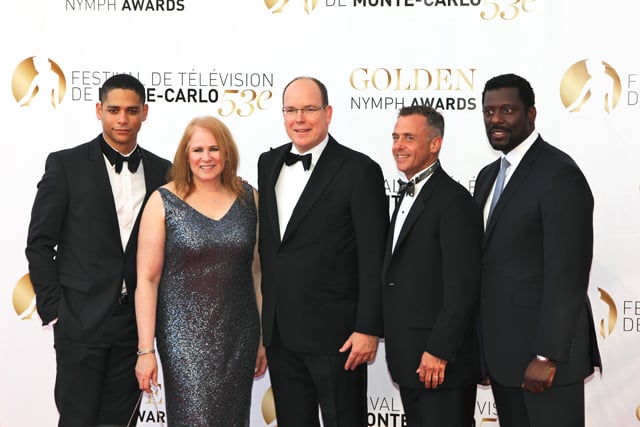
(306, 129)
(415, 144)
(506, 119)
(121, 113)
(205, 158)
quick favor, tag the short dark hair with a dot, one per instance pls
(434, 118)
(321, 86)
(122, 81)
(525, 91)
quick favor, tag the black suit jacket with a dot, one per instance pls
(322, 280)
(431, 284)
(75, 254)
(536, 261)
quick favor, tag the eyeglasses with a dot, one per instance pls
(306, 111)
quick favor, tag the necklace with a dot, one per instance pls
(410, 187)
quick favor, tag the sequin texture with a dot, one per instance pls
(208, 324)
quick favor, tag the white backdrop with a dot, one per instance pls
(232, 59)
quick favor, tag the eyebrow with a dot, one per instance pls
(122, 106)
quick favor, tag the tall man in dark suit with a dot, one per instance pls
(323, 221)
(537, 325)
(431, 276)
(82, 248)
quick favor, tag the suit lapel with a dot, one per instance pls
(150, 175)
(416, 211)
(518, 176)
(329, 163)
(389, 241)
(481, 192)
(152, 180)
(103, 191)
(268, 201)
(419, 205)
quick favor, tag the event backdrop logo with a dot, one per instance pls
(504, 10)
(24, 298)
(152, 409)
(490, 10)
(240, 93)
(269, 409)
(276, 6)
(590, 86)
(38, 81)
(608, 323)
(125, 5)
(384, 88)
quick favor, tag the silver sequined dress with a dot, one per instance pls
(208, 327)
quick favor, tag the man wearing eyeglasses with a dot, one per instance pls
(323, 223)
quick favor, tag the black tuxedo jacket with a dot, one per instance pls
(431, 284)
(75, 254)
(322, 280)
(536, 260)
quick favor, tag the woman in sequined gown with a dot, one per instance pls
(198, 284)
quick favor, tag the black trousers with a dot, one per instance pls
(304, 382)
(561, 406)
(446, 407)
(96, 383)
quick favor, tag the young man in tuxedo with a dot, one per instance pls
(323, 221)
(81, 249)
(537, 327)
(431, 279)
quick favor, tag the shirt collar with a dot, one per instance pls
(109, 151)
(515, 156)
(422, 182)
(315, 152)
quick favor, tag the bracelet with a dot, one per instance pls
(142, 352)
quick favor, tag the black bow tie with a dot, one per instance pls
(410, 187)
(292, 158)
(117, 159)
(406, 187)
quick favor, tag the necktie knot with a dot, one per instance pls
(504, 163)
(292, 158)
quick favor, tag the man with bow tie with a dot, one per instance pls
(431, 278)
(81, 249)
(323, 221)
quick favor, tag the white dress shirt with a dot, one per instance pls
(291, 183)
(514, 157)
(129, 190)
(405, 206)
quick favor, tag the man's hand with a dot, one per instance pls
(363, 349)
(539, 375)
(431, 370)
(485, 380)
